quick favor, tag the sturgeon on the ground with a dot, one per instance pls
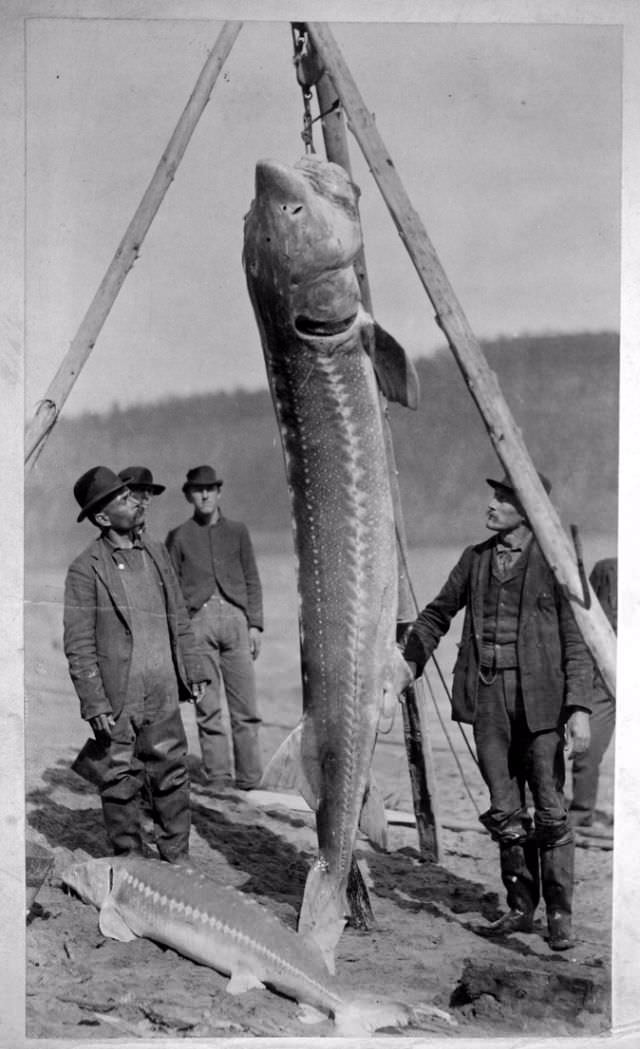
(181, 907)
(326, 361)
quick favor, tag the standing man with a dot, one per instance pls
(215, 564)
(586, 767)
(522, 679)
(139, 481)
(132, 655)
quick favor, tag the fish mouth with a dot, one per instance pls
(323, 329)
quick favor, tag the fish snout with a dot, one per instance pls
(277, 182)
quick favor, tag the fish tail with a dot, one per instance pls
(367, 1014)
(324, 911)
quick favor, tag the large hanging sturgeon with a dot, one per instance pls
(301, 235)
(181, 907)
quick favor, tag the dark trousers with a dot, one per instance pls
(148, 745)
(511, 757)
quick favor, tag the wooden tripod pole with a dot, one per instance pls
(128, 250)
(481, 381)
(421, 771)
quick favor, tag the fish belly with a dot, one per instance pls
(345, 543)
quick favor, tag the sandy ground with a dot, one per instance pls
(81, 986)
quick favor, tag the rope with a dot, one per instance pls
(400, 546)
(448, 739)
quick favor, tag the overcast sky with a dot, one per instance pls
(507, 139)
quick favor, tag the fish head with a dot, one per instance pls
(302, 234)
(91, 880)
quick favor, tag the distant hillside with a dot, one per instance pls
(562, 392)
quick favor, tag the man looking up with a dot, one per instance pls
(131, 654)
(522, 679)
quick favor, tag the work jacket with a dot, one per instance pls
(228, 564)
(98, 640)
(554, 664)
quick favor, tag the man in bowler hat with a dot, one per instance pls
(214, 560)
(139, 480)
(523, 680)
(132, 656)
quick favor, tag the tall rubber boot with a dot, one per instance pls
(557, 864)
(122, 819)
(163, 747)
(519, 870)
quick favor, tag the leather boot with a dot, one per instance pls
(519, 869)
(556, 862)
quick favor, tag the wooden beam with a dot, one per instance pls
(421, 768)
(128, 250)
(481, 381)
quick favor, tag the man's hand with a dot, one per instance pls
(578, 733)
(404, 674)
(102, 725)
(255, 641)
(197, 690)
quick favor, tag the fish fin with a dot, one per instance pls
(373, 821)
(323, 913)
(282, 771)
(311, 766)
(285, 770)
(366, 1014)
(395, 372)
(243, 979)
(310, 1015)
(113, 925)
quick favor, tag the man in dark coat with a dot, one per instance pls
(132, 655)
(215, 564)
(522, 679)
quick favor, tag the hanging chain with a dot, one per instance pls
(308, 72)
(307, 129)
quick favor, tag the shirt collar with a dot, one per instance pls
(514, 542)
(115, 545)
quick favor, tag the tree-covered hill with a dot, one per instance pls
(562, 392)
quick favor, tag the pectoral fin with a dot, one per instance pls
(396, 375)
(112, 924)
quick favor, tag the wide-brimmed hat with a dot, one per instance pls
(202, 475)
(140, 477)
(95, 488)
(506, 483)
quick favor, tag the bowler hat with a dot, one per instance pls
(95, 488)
(506, 483)
(140, 477)
(202, 475)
